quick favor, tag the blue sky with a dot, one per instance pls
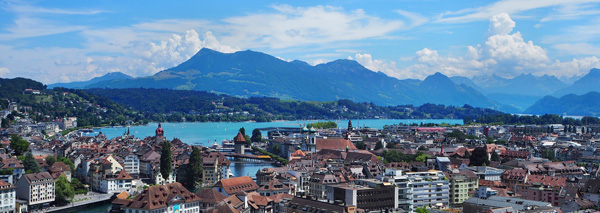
(63, 41)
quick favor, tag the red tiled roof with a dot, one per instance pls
(334, 144)
(239, 138)
(210, 196)
(547, 180)
(123, 175)
(237, 184)
(158, 196)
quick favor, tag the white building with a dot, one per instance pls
(116, 183)
(132, 164)
(36, 188)
(404, 199)
(159, 180)
(430, 189)
(7, 197)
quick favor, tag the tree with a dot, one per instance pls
(243, 131)
(422, 210)
(421, 157)
(495, 156)
(548, 154)
(50, 160)
(378, 145)
(194, 170)
(30, 164)
(256, 136)
(5, 123)
(63, 190)
(467, 154)
(276, 149)
(67, 161)
(479, 157)
(165, 159)
(422, 148)
(18, 145)
(390, 145)
(361, 145)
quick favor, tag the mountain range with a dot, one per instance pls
(571, 104)
(83, 84)
(249, 73)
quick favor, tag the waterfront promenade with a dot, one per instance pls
(89, 199)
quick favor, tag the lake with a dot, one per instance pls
(206, 133)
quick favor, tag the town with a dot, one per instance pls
(320, 168)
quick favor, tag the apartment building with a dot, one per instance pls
(430, 189)
(37, 188)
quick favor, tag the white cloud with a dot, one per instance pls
(415, 18)
(4, 72)
(578, 48)
(501, 24)
(376, 65)
(175, 50)
(300, 26)
(512, 7)
(502, 53)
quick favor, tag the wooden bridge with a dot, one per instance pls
(248, 158)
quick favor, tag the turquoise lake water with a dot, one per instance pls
(206, 133)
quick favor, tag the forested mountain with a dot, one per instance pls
(172, 105)
(588, 104)
(57, 103)
(83, 84)
(586, 84)
(255, 74)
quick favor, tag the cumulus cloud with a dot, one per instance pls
(4, 72)
(176, 49)
(503, 53)
(389, 68)
(501, 24)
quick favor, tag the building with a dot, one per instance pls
(430, 189)
(476, 205)
(240, 143)
(461, 183)
(172, 197)
(37, 188)
(367, 194)
(234, 185)
(132, 164)
(403, 186)
(116, 183)
(209, 198)
(303, 205)
(60, 168)
(215, 167)
(317, 185)
(485, 172)
(7, 197)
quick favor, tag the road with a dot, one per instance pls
(91, 197)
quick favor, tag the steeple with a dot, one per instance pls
(349, 129)
(159, 131)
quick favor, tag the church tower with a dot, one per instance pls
(159, 133)
(349, 129)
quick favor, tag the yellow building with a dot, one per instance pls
(461, 183)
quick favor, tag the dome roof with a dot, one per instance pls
(299, 153)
